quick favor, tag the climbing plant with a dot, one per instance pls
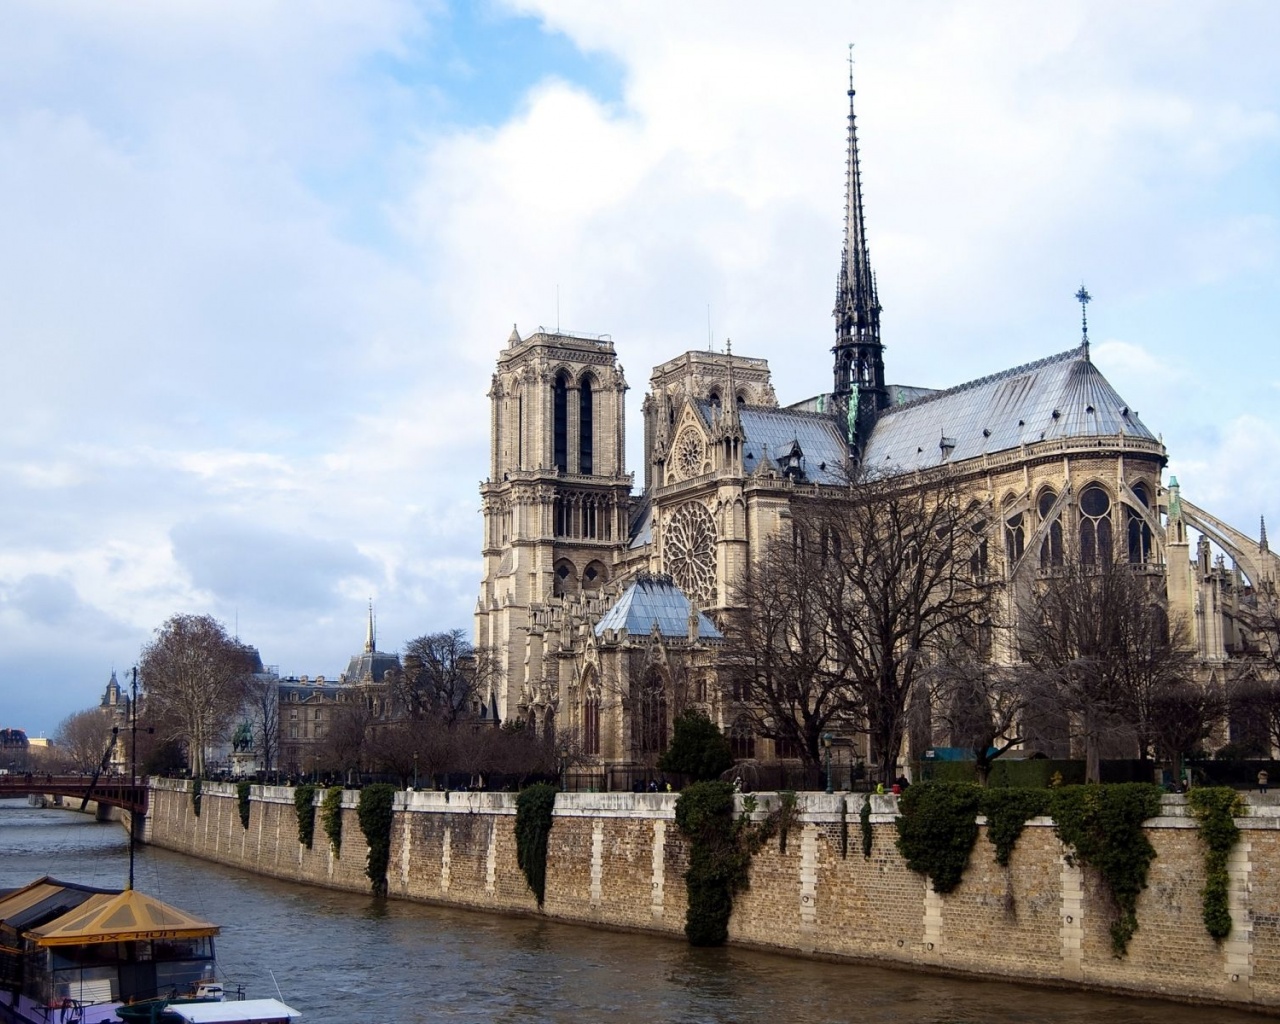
(375, 811)
(196, 788)
(304, 803)
(331, 817)
(242, 798)
(1008, 810)
(937, 828)
(534, 807)
(1103, 825)
(864, 819)
(787, 816)
(844, 829)
(718, 859)
(1216, 809)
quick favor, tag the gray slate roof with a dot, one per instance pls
(655, 599)
(771, 432)
(1063, 396)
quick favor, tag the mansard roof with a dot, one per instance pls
(654, 600)
(1063, 396)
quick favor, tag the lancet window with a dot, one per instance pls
(1095, 526)
(1051, 547)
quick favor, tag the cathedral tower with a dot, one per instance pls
(556, 502)
(859, 355)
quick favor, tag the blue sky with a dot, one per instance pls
(260, 256)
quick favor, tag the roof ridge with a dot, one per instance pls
(783, 410)
(1073, 353)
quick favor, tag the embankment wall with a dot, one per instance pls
(617, 860)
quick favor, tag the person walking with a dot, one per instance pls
(1263, 779)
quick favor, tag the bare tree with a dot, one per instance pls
(262, 711)
(1100, 639)
(83, 739)
(982, 705)
(194, 674)
(348, 746)
(445, 676)
(780, 663)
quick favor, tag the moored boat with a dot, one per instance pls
(75, 954)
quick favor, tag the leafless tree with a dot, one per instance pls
(194, 674)
(445, 677)
(1253, 687)
(981, 704)
(348, 745)
(1101, 641)
(83, 739)
(262, 711)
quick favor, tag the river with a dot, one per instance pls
(347, 959)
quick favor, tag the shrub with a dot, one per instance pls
(698, 748)
(375, 812)
(534, 807)
(1103, 827)
(304, 803)
(242, 797)
(937, 829)
(1216, 810)
(331, 817)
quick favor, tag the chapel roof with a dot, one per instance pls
(1062, 396)
(654, 600)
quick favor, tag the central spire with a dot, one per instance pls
(859, 360)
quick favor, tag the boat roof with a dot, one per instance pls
(239, 1011)
(105, 916)
(43, 900)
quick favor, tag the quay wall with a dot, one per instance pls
(617, 860)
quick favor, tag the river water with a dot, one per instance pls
(348, 959)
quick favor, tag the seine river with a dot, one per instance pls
(347, 959)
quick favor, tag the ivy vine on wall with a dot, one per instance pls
(242, 798)
(196, 788)
(1216, 809)
(376, 811)
(864, 819)
(304, 803)
(937, 828)
(331, 817)
(1007, 811)
(718, 859)
(534, 807)
(1103, 825)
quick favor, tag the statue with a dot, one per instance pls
(243, 739)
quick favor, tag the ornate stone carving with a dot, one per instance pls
(689, 552)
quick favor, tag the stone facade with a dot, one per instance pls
(617, 860)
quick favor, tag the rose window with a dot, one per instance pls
(689, 453)
(689, 550)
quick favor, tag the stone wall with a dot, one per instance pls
(617, 860)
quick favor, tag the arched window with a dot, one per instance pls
(566, 579)
(1095, 526)
(1139, 531)
(1051, 546)
(1015, 538)
(742, 741)
(586, 444)
(591, 724)
(560, 422)
(649, 723)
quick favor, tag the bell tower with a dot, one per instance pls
(556, 504)
(859, 355)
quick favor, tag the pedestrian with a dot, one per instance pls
(1263, 779)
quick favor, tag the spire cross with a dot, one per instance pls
(1083, 297)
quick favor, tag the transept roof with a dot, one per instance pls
(652, 600)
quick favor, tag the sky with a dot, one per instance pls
(259, 256)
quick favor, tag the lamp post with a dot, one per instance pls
(415, 770)
(826, 747)
(133, 765)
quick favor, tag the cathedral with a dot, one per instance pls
(605, 604)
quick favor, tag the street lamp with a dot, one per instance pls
(826, 747)
(415, 771)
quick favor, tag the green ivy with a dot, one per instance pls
(718, 859)
(1216, 809)
(868, 837)
(304, 803)
(1008, 810)
(242, 797)
(1103, 825)
(787, 816)
(331, 816)
(937, 829)
(196, 789)
(844, 829)
(534, 807)
(376, 810)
